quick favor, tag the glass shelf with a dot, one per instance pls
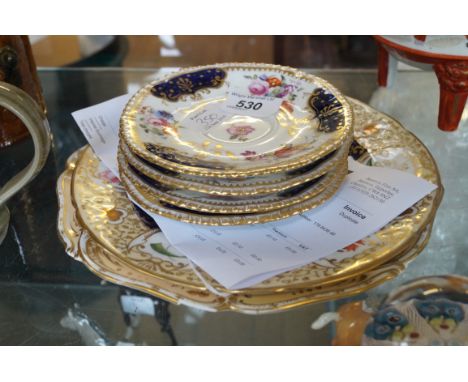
(39, 283)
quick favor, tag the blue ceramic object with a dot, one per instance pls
(189, 84)
(440, 308)
(329, 111)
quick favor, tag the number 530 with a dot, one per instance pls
(249, 105)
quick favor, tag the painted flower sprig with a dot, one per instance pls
(272, 86)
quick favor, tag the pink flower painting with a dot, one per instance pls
(239, 132)
(258, 87)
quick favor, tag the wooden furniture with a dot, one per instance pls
(18, 68)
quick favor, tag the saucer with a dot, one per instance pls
(150, 202)
(181, 123)
(246, 186)
(151, 190)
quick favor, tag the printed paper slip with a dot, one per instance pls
(100, 126)
(241, 256)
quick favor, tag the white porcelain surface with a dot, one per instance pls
(182, 120)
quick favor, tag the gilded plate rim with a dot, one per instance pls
(255, 188)
(228, 220)
(338, 175)
(237, 303)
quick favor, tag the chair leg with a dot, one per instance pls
(386, 67)
(453, 82)
(382, 57)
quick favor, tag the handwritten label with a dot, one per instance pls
(205, 119)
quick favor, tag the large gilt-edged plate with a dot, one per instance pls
(167, 122)
(106, 213)
(246, 186)
(106, 265)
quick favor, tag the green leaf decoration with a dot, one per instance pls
(158, 247)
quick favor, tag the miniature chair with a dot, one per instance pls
(446, 55)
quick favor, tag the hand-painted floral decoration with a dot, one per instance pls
(240, 132)
(283, 152)
(251, 155)
(286, 151)
(108, 176)
(272, 86)
(157, 122)
(287, 106)
(352, 247)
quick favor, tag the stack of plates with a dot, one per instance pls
(100, 227)
(234, 144)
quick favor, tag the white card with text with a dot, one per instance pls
(241, 256)
(251, 105)
(100, 126)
